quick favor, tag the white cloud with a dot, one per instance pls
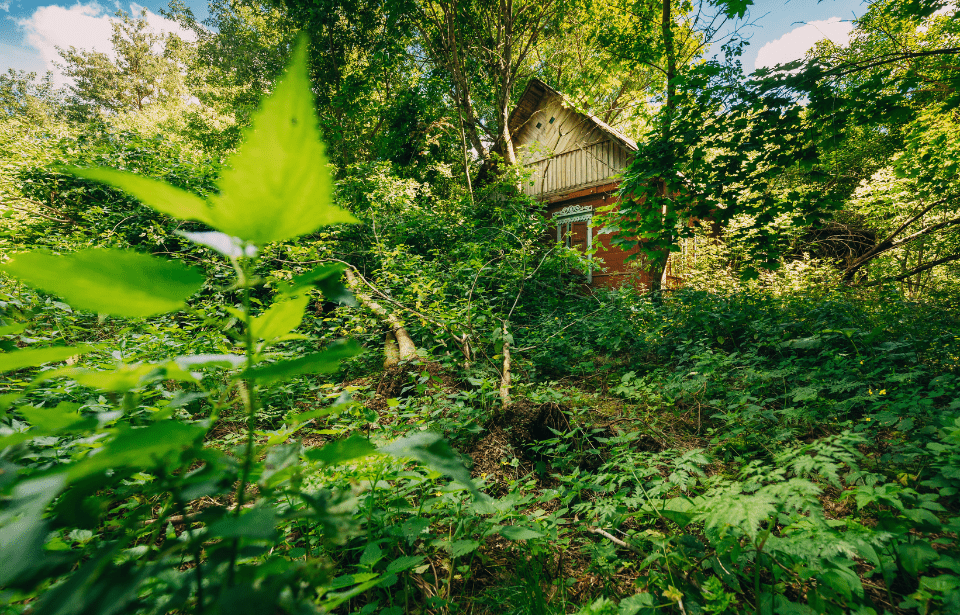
(84, 26)
(5, 6)
(794, 44)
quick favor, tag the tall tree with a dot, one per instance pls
(145, 67)
(482, 49)
(759, 149)
(23, 95)
(667, 36)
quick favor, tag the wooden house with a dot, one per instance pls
(576, 159)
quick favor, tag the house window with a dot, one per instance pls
(565, 219)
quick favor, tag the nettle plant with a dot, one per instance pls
(109, 524)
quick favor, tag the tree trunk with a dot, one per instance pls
(391, 350)
(659, 266)
(407, 349)
(506, 377)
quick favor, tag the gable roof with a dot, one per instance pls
(534, 94)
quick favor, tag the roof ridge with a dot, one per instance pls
(603, 126)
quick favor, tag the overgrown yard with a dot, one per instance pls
(245, 372)
(743, 452)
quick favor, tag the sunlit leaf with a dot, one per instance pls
(341, 451)
(209, 360)
(31, 357)
(108, 281)
(281, 318)
(118, 380)
(277, 185)
(157, 194)
(317, 363)
(231, 247)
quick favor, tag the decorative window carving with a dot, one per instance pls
(565, 219)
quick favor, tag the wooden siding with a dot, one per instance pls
(566, 150)
(578, 168)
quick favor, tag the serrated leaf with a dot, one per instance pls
(327, 279)
(153, 193)
(108, 281)
(513, 532)
(371, 555)
(412, 528)
(433, 451)
(460, 548)
(745, 512)
(258, 524)
(277, 185)
(317, 363)
(31, 357)
(405, 562)
(281, 318)
(342, 451)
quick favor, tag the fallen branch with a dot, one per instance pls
(178, 519)
(614, 539)
(407, 349)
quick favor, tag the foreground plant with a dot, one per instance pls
(111, 524)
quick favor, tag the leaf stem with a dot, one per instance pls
(250, 405)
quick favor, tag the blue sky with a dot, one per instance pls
(30, 30)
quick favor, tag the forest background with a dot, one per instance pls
(244, 372)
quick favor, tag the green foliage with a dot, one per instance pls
(94, 280)
(772, 151)
(137, 76)
(774, 446)
(103, 524)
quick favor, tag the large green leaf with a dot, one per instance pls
(432, 450)
(159, 195)
(108, 281)
(327, 279)
(54, 419)
(257, 524)
(277, 186)
(140, 447)
(31, 357)
(281, 318)
(317, 363)
(341, 451)
(515, 532)
(916, 557)
(23, 528)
